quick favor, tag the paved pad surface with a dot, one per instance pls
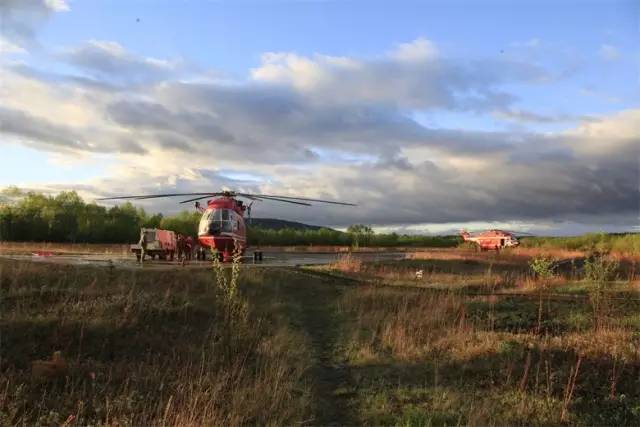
(275, 259)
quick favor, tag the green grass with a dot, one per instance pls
(628, 243)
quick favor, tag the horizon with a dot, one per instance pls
(425, 115)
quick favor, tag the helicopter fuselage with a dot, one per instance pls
(222, 226)
(492, 239)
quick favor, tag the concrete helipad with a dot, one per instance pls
(275, 259)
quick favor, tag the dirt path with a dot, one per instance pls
(323, 324)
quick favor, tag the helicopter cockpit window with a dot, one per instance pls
(203, 227)
(217, 221)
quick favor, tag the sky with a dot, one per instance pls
(431, 116)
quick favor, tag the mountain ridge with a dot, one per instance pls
(280, 224)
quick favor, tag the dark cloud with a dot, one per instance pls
(42, 133)
(427, 193)
(532, 117)
(583, 189)
(152, 116)
(20, 19)
(40, 130)
(281, 119)
(68, 80)
(111, 62)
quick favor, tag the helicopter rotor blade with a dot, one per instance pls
(283, 200)
(519, 233)
(303, 201)
(158, 196)
(250, 197)
(197, 198)
(299, 198)
(154, 196)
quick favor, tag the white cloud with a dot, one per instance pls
(284, 68)
(57, 5)
(411, 77)
(9, 48)
(420, 49)
(617, 133)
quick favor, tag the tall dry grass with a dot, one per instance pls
(486, 362)
(143, 348)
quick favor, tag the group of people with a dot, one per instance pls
(185, 247)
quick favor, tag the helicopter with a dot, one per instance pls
(222, 226)
(492, 239)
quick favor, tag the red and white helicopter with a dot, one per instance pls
(222, 225)
(492, 239)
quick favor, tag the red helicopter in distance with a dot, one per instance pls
(222, 226)
(492, 239)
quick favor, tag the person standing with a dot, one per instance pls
(143, 246)
(188, 247)
(180, 245)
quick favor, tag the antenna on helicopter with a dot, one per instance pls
(249, 211)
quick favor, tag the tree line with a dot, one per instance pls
(32, 216)
(67, 218)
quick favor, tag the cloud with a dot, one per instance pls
(42, 133)
(57, 5)
(418, 50)
(330, 127)
(533, 117)
(108, 60)
(155, 117)
(38, 130)
(8, 48)
(411, 77)
(21, 19)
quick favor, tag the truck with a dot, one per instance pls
(155, 242)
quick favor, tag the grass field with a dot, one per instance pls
(478, 340)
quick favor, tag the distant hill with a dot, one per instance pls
(279, 224)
